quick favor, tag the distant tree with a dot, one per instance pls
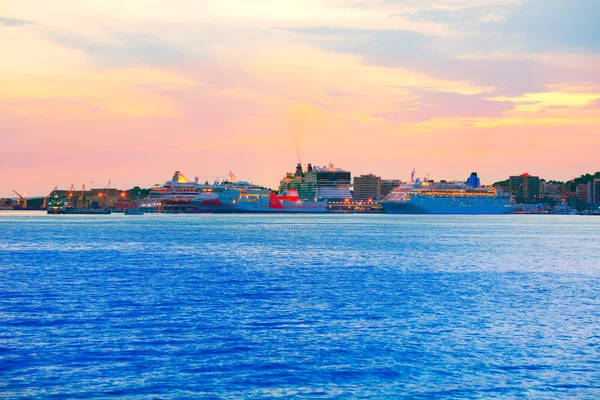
(137, 193)
(501, 183)
(587, 178)
(35, 202)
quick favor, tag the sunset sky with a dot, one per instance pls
(130, 91)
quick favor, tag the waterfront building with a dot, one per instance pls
(589, 192)
(97, 197)
(106, 197)
(552, 190)
(525, 186)
(327, 182)
(581, 192)
(594, 192)
(367, 187)
(388, 185)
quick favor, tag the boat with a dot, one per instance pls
(426, 196)
(150, 206)
(179, 195)
(562, 210)
(326, 182)
(179, 188)
(61, 206)
(133, 212)
(56, 205)
(243, 197)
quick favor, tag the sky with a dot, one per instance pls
(130, 91)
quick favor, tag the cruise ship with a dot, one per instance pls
(179, 195)
(178, 188)
(318, 183)
(425, 196)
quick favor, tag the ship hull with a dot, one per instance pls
(215, 207)
(259, 209)
(449, 205)
(79, 212)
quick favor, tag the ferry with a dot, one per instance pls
(563, 210)
(425, 196)
(58, 205)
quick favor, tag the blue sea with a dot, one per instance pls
(299, 306)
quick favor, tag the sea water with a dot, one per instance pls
(299, 306)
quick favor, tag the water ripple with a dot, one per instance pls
(246, 306)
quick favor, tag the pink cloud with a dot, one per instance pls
(448, 105)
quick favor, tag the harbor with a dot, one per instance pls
(324, 189)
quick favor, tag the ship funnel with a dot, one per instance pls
(309, 168)
(299, 169)
(473, 181)
(179, 178)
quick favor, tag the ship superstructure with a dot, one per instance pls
(322, 183)
(425, 196)
(178, 188)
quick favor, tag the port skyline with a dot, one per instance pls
(131, 182)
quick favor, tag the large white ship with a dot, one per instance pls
(322, 183)
(179, 195)
(425, 196)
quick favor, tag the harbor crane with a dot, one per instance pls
(106, 196)
(22, 201)
(45, 202)
(71, 191)
(80, 197)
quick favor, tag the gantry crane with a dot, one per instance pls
(23, 201)
(80, 197)
(106, 195)
(45, 202)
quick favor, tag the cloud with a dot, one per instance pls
(382, 45)
(132, 92)
(122, 48)
(432, 105)
(463, 16)
(436, 56)
(593, 106)
(14, 22)
(554, 24)
(552, 100)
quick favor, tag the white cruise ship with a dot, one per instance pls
(425, 196)
(230, 196)
(322, 183)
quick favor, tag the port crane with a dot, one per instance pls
(45, 202)
(22, 201)
(106, 197)
(80, 197)
(71, 191)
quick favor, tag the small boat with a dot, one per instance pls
(134, 212)
(563, 210)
